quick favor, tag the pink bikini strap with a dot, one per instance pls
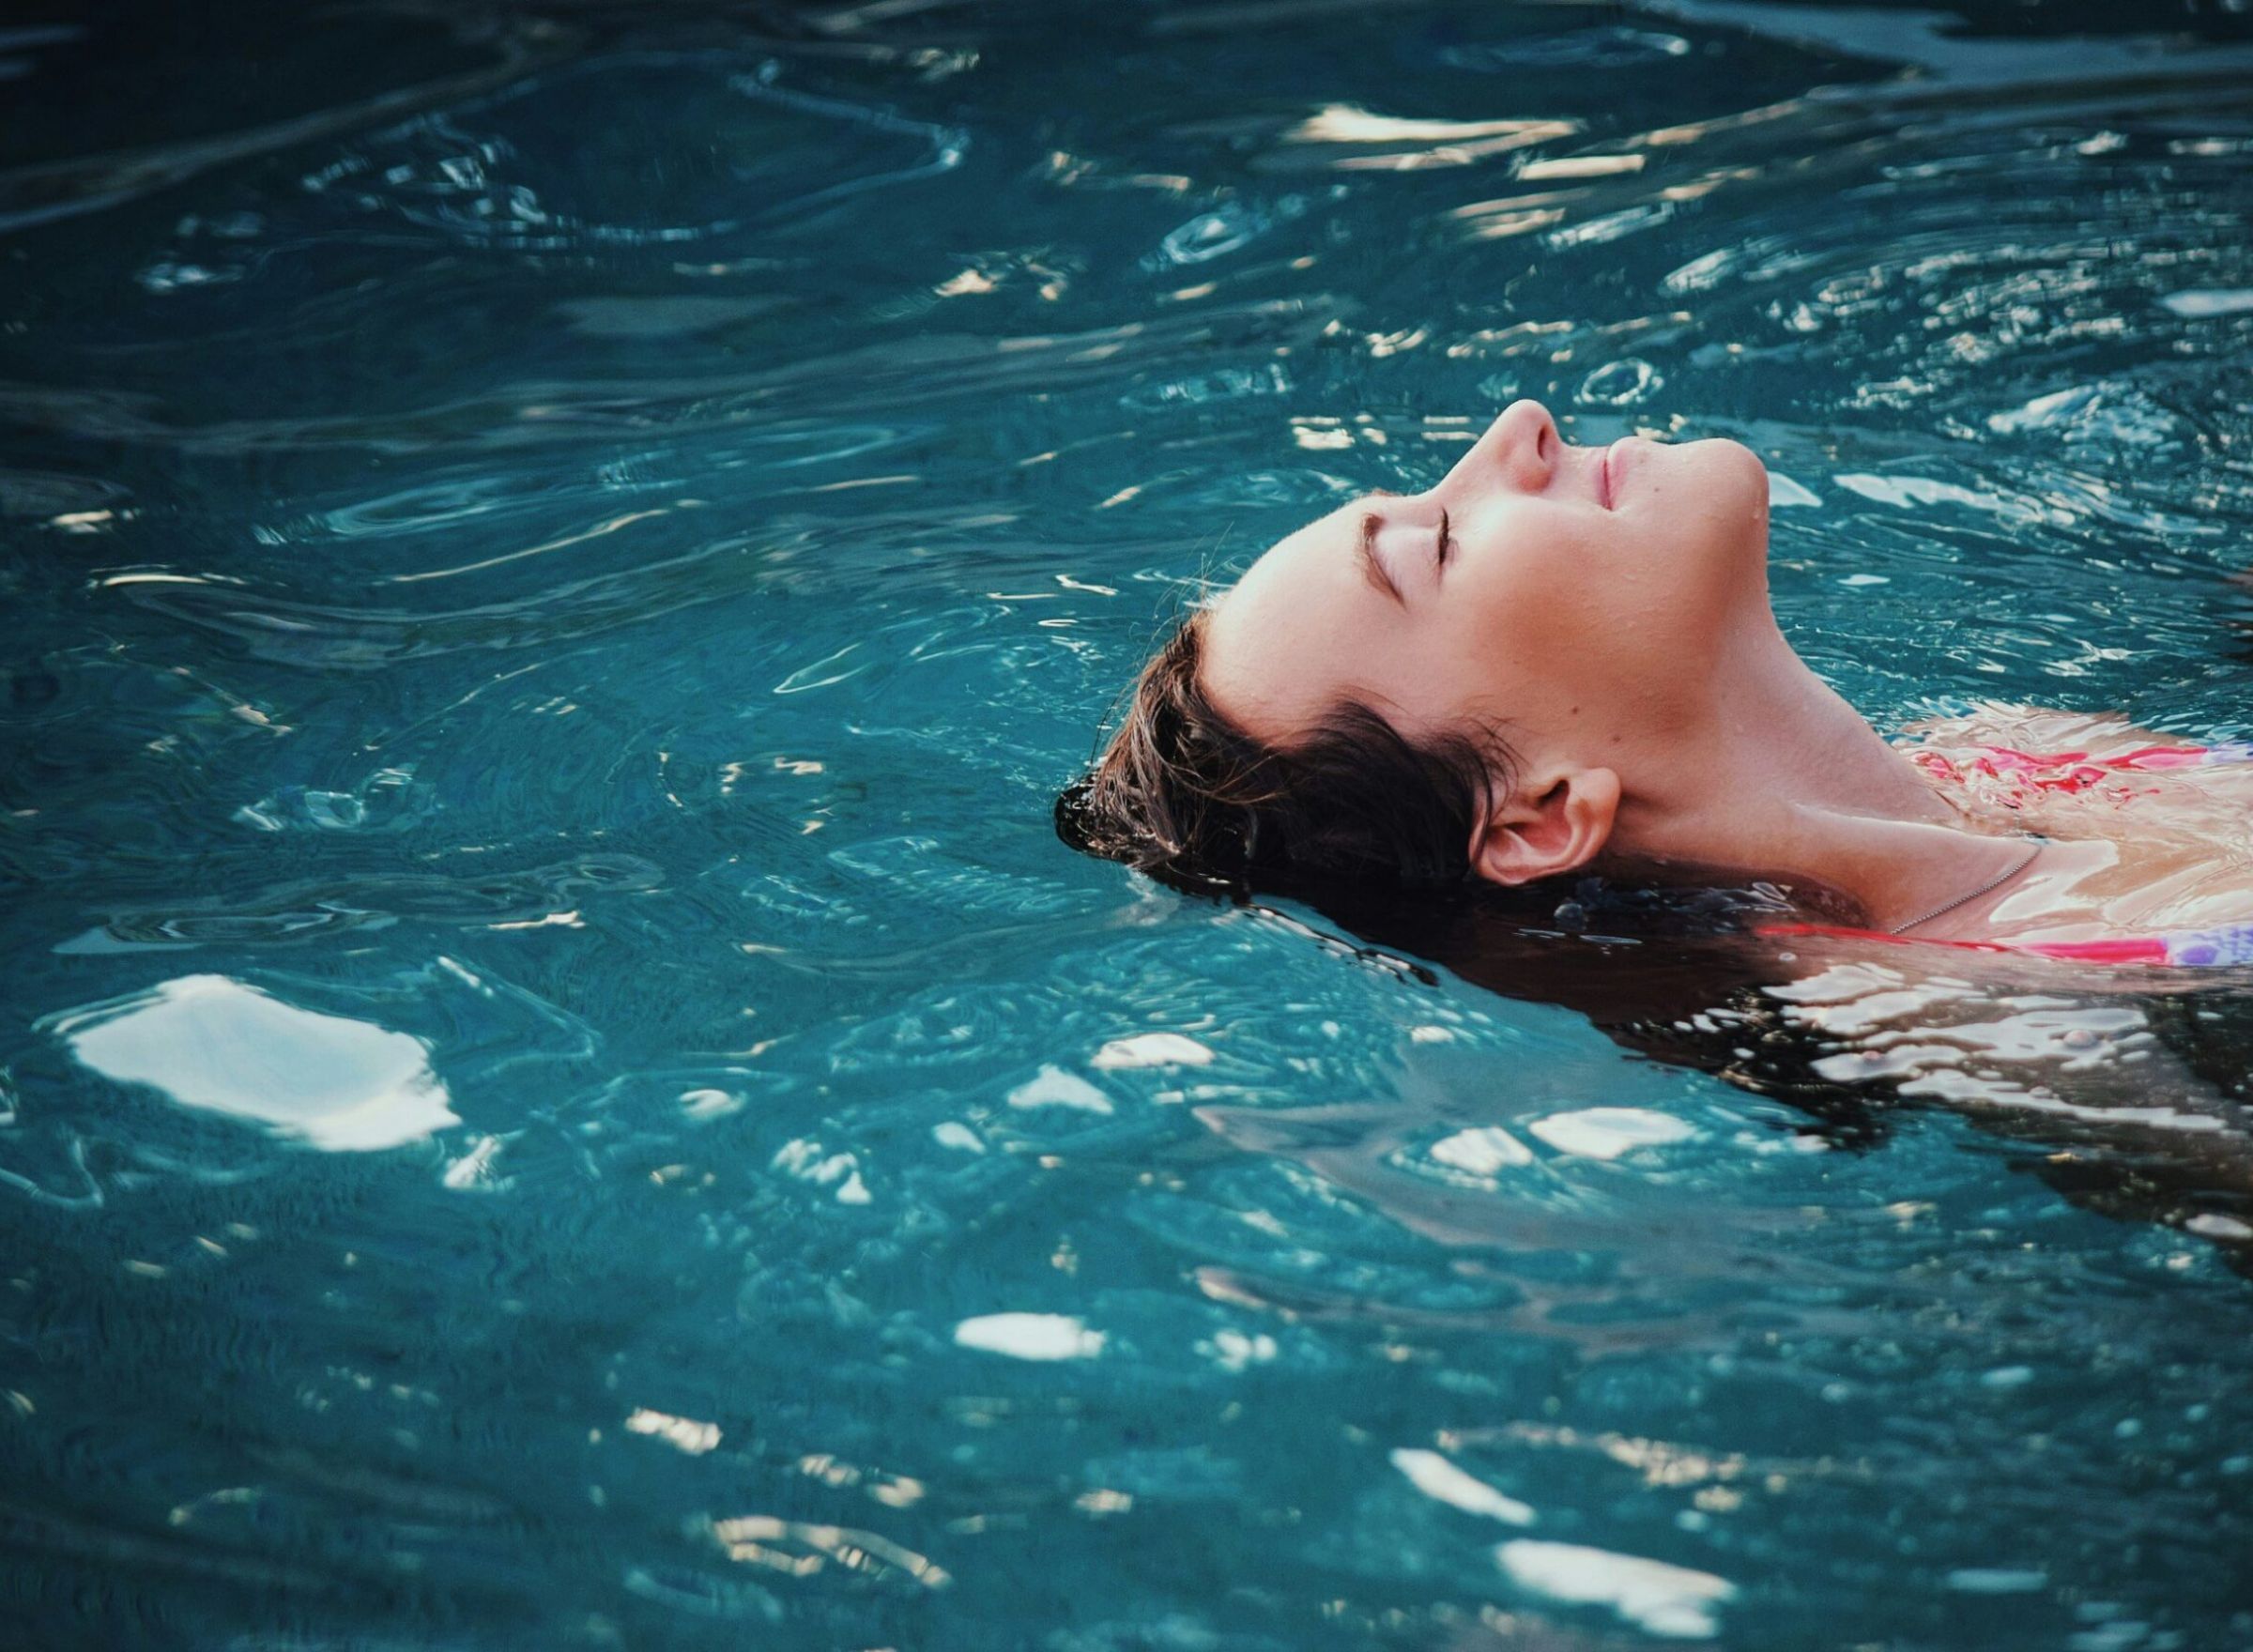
(2186, 949)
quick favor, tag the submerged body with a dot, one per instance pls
(2149, 852)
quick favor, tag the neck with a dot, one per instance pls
(1789, 782)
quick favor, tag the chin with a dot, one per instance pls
(1723, 509)
(1731, 476)
(1722, 459)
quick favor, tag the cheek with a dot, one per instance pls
(1522, 638)
(1597, 630)
(1595, 634)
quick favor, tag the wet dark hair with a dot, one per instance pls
(1182, 792)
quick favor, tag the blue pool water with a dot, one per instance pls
(558, 1088)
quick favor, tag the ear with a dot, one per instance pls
(1559, 827)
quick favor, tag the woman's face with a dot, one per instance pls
(1579, 603)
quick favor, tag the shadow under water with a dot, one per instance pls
(2131, 1091)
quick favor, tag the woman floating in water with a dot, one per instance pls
(1562, 660)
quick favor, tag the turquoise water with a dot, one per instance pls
(559, 1090)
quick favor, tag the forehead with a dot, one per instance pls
(1275, 652)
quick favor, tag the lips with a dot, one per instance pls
(1615, 467)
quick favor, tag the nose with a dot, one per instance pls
(1520, 450)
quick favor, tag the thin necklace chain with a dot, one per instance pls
(1989, 887)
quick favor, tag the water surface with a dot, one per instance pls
(559, 1090)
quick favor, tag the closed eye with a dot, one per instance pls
(1440, 550)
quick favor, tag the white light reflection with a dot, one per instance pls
(1152, 1050)
(682, 1433)
(762, 1539)
(1436, 1477)
(1054, 1087)
(1481, 1151)
(1406, 146)
(1606, 1132)
(213, 1043)
(1030, 1335)
(1656, 1597)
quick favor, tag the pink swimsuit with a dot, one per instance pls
(2075, 773)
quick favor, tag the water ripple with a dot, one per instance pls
(593, 539)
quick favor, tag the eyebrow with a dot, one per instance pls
(1370, 566)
